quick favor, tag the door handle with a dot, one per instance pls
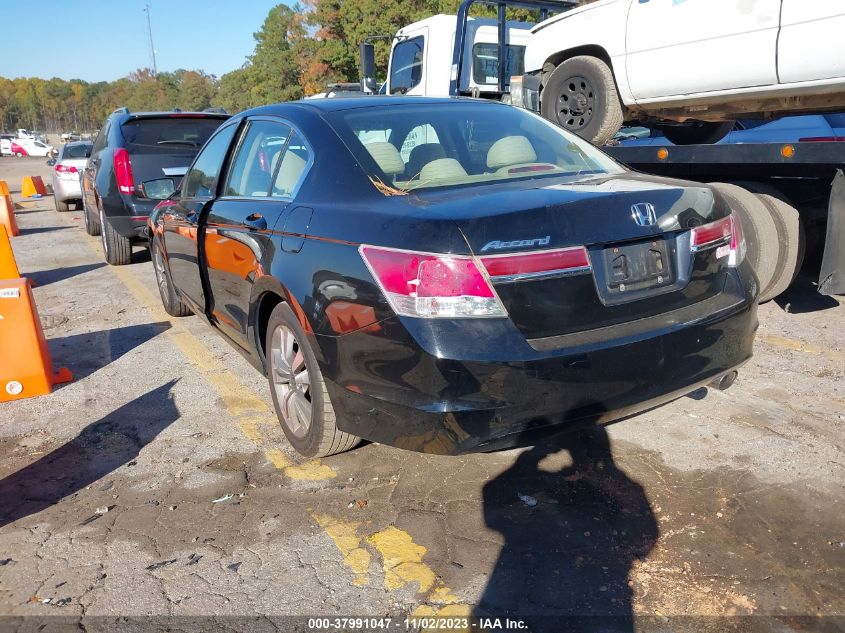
(255, 221)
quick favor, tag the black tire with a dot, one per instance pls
(92, 225)
(61, 205)
(18, 154)
(580, 96)
(173, 305)
(696, 132)
(116, 249)
(791, 241)
(321, 437)
(759, 228)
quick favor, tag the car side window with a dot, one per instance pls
(100, 141)
(201, 178)
(257, 158)
(406, 69)
(291, 168)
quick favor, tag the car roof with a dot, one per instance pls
(349, 103)
(171, 114)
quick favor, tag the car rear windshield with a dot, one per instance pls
(76, 151)
(424, 145)
(169, 134)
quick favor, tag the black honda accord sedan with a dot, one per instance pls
(450, 275)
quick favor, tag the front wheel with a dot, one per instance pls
(696, 133)
(580, 96)
(298, 390)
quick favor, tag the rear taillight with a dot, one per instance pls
(429, 285)
(123, 171)
(537, 264)
(724, 235)
(66, 169)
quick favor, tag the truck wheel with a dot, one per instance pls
(580, 96)
(298, 390)
(696, 133)
(173, 305)
(116, 248)
(61, 205)
(92, 225)
(18, 154)
(791, 243)
(760, 231)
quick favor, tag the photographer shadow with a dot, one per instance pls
(565, 562)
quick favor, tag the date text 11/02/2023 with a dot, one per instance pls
(413, 624)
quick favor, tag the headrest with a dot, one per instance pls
(387, 157)
(442, 169)
(511, 150)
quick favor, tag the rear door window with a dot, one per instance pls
(167, 135)
(291, 169)
(257, 158)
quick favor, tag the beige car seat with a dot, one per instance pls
(387, 157)
(510, 150)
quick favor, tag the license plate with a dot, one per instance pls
(637, 266)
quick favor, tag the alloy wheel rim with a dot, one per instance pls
(291, 381)
(576, 104)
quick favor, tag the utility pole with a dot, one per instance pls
(150, 34)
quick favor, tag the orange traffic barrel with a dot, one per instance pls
(7, 216)
(8, 265)
(26, 369)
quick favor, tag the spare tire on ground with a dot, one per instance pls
(761, 232)
(791, 242)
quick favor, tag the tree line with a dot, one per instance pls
(298, 51)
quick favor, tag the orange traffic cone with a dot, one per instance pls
(26, 369)
(33, 185)
(8, 266)
(7, 216)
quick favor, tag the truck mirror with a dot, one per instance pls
(368, 67)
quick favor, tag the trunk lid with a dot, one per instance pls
(637, 269)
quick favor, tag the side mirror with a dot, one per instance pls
(368, 67)
(160, 189)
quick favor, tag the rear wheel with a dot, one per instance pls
(696, 133)
(580, 96)
(298, 390)
(760, 231)
(61, 205)
(18, 154)
(116, 248)
(92, 225)
(173, 305)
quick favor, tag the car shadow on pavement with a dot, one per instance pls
(42, 229)
(86, 353)
(573, 526)
(101, 447)
(803, 296)
(45, 277)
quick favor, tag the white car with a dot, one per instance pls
(689, 66)
(30, 147)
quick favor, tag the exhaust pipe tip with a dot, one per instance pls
(724, 382)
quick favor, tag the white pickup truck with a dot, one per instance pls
(688, 67)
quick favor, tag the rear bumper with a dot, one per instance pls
(66, 189)
(128, 215)
(402, 387)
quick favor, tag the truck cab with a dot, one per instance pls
(421, 57)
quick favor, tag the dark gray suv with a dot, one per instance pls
(134, 152)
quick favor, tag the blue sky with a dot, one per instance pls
(103, 40)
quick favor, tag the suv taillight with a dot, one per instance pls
(123, 171)
(725, 236)
(429, 285)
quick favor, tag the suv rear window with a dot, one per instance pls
(168, 135)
